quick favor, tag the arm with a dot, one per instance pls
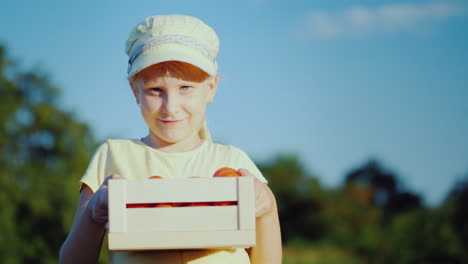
(268, 248)
(84, 241)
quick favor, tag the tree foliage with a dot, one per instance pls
(370, 218)
(293, 187)
(44, 151)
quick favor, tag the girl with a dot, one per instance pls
(172, 72)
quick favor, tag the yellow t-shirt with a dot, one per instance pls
(132, 159)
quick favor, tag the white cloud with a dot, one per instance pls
(386, 18)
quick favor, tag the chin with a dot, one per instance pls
(172, 139)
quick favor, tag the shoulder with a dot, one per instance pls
(102, 149)
(111, 147)
(114, 144)
(120, 142)
(231, 152)
(225, 149)
(109, 143)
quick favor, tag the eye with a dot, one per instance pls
(155, 90)
(185, 87)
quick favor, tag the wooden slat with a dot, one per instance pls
(181, 190)
(182, 219)
(183, 239)
(246, 203)
(117, 210)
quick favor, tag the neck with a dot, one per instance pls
(185, 145)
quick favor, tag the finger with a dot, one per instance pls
(111, 177)
(244, 172)
(258, 185)
(101, 217)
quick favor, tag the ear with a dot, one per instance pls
(213, 85)
(134, 85)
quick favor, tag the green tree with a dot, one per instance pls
(405, 231)
(386, 189)
(422, 236)
(296, 194)
(456, 210)
(371, 218)
(43, 153)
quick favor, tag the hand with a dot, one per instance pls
(99, 203)
(265, 201)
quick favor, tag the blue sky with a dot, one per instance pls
(337, 82)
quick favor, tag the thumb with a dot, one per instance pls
(115, 176)
(111, 177)
(244, 172)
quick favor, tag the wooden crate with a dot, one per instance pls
(181, 227)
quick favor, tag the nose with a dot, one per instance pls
(171, 103)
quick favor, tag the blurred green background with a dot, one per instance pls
(371, 217)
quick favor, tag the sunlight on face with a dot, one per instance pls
(174, 109)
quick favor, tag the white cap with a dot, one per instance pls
(172, 38)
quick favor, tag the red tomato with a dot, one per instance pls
(226, 172)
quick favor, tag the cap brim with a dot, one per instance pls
(172, 52)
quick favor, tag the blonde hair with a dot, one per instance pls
(204, 132)
(180, 70)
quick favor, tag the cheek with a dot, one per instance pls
(195, 106)
(150, 105)
(150, 101)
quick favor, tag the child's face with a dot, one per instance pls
(174, 109)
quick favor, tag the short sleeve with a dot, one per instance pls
(246, 163)
(98, 169)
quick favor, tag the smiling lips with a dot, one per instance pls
(170, 121)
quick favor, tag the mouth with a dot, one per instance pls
(170, 121)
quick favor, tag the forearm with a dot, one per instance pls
(84, 241)
(268, 249)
